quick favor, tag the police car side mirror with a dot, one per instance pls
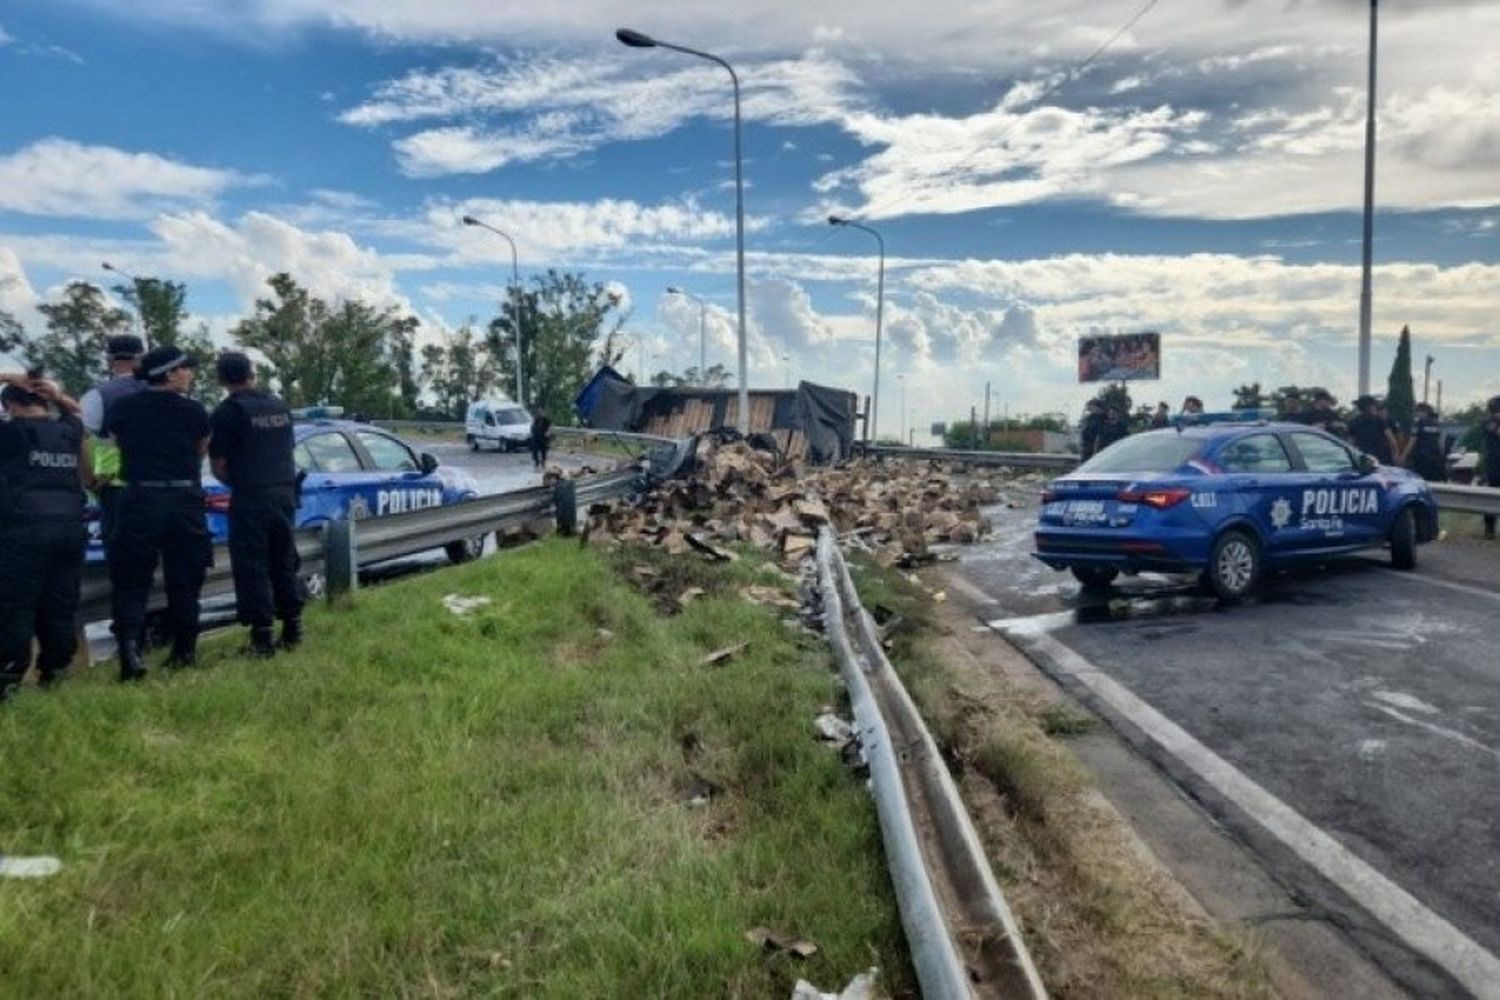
(429, 463)
(1367, 464)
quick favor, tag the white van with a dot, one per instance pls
(497, 422)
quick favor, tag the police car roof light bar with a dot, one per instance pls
(1258, 415)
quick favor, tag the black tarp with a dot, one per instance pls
(826, 418)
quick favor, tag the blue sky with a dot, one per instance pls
(1201, 177)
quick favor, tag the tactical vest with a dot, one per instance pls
(42, 483)
(1429, 444)
(264, 457)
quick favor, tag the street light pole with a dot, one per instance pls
(835, 220)
(515, 298)
(901, 381)
(140, 320)
(1365, 304)
(1426, 377)
(702, 331)
(636, 40)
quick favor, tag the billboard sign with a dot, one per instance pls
(1125, 357)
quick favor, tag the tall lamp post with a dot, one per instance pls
(515, 298)
(1365, 305)
(702, 331)
(834, 220)
(134, 283)
(901, 381)
(1426, 377)
(636, 40)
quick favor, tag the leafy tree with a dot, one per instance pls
(12, 336)
(1400, 399)
(458, 372)
(1115, 396)
(351, 354)
(162, 308)
(717, 378)
(562, 319)
(78, 325)
(1249, 397)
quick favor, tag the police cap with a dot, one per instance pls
(234, 368)
(159, 362)
(124, 347)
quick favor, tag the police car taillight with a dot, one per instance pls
(1048, 496)
(1160, 499)
(217, 503)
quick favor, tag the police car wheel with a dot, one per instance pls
(1095, 577)
(1233, 565)
(465, 551)
(1404, 540)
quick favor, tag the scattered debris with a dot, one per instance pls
(37, 867)
(605, 634)
(773, 596)
(861, 987)
(769, 940)
(690, 595)
(832, 729)
(464, 606)
(722, 656)
(700, 791)
(738, 495)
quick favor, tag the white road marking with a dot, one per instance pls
(970, 590)
(1462, 588)
(1422, 929)
(1434, 728)
(1400, 699)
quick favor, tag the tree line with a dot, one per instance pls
(346, 352)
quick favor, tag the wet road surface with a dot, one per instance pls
(1345, 723)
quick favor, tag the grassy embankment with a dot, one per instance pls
(419, 804)
(1100, 922)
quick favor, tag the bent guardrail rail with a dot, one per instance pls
(1468, 499)
(383, 539)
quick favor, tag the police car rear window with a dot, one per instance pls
(1145, 453)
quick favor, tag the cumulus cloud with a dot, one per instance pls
(59, 177)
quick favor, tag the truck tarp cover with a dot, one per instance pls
(824, 415)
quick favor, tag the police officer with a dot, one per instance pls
(1112, 428)
(1323, 415)
(1490, 455)
(162, 436)
(1371, 433)
(1424, 452)
(251, 451)
(541, 431)
(1088, 429)
(44, 465)
(1192, 405)
(124, 351)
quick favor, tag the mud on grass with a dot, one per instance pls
(420, 804)
(1101, 920)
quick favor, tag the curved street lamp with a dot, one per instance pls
(835, 220)
(515, 297)
(637, 40)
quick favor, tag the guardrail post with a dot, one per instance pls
(565, 506)
(340, 558)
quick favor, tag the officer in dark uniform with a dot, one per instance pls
(1112, 428)
(1425, 452)
(251, 451)
(1088, 429)
(44, 466)
(124, 351)
(1490, 455)
(162, 436)
(1370, 432)
(541, 432)
(1322, 415)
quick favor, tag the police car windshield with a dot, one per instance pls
(1161, 452)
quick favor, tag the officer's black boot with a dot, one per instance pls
(291, 632)
(184, 653)
(262, 643)
(131, 667)
(51, 678)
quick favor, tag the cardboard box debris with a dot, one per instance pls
(737, 495)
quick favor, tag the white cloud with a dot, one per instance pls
(59, 177)
(6, 38)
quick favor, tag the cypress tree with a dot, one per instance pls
(1399, 397)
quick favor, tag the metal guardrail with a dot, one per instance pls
(1468, 499)
(1013, 459)
(963, 938)
(382, 539)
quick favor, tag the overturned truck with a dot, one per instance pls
(811, 422)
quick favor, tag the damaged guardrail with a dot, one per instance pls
(1014, 459)
(1468, 499)
(964, 941)
(339, 549)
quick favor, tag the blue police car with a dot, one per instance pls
(353, 470)
(1228, 499)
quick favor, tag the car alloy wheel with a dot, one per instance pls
(1234, 565)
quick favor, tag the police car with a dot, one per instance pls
(353, 470)
(1229, 499)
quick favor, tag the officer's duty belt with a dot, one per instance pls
(166, 484)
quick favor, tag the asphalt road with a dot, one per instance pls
(1345, 723)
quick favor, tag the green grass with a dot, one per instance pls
(1461, 525)
(418, 804)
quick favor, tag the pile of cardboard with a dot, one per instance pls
(738, 494)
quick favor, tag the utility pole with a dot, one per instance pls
(986, 413)
(1365, 294)
(1426, 377)
(1440, 396)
